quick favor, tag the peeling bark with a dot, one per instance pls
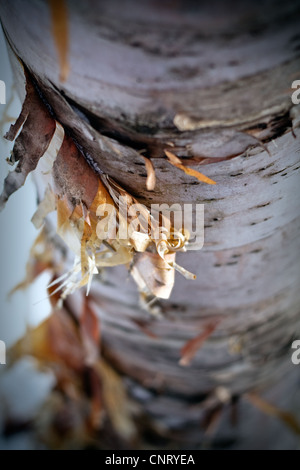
(212, 85)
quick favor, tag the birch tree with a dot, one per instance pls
(155, 102)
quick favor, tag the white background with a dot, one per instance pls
(16, 234)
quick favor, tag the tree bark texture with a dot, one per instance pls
(214, 80)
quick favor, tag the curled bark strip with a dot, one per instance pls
(32, 142)
(265, 407)
(190, 348)
(174, 160)
(153, 274)
(47, 205)
(150, 182)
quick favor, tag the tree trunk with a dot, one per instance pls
(213, 85)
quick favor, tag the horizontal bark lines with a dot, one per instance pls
(212, 86)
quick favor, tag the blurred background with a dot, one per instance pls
(17, 232)
(22, 388)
